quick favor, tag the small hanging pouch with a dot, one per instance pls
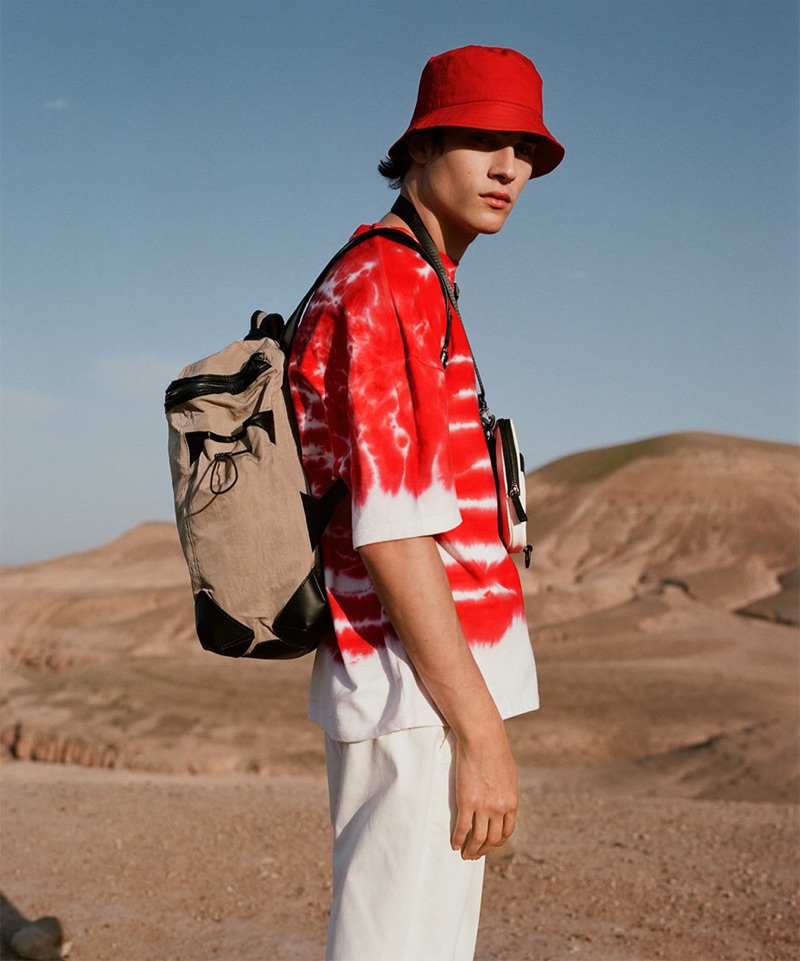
(509, 469)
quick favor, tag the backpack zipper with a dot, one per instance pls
(189, 388)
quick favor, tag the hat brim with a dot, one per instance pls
(493, 115)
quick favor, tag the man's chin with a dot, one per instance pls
(494, 224)
(493, 228)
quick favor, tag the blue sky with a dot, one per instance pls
(167, 167)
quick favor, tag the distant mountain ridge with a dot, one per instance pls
(716, 514)
(595, 463)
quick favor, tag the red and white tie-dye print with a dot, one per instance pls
(375, 406)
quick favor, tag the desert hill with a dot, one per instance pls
(642, 555)
(715, 515)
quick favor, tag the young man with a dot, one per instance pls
(431, 650)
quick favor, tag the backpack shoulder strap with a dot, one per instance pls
(390, 233)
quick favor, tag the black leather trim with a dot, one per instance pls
(217, 631)
(281, 651)
(306, 616)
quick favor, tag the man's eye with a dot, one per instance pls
(526, 150)
(483, 140)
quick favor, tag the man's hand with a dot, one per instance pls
(413, 588)
(487, 796)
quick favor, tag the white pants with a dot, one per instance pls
(400, 893)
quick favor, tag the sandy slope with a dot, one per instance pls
(660, 777)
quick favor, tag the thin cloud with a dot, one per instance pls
(25, 408)
(60, 103)
(141, 377)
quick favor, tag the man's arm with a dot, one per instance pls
(410, 580)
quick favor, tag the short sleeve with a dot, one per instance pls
(400, 465)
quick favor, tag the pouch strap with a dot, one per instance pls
(406, 211)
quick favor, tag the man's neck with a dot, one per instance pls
(446, 242)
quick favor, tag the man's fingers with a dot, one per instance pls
(476, 839)
(509, 824)
(485, 835)
(461, 830)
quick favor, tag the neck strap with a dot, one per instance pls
(406, 211)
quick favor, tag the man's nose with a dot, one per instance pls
(504, 168)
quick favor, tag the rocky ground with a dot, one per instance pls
(146, 867)
(167, 804)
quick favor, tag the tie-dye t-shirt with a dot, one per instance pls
(376, 408)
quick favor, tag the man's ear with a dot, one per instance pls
(420, 147)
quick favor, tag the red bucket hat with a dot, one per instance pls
(489, 88)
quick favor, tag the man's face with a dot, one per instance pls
(472, 183)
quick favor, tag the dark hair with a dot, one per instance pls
(394, 169)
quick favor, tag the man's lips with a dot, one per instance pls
(498, 199)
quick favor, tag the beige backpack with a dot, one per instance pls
(248, 525)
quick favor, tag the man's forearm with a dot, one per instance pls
(411, 582)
